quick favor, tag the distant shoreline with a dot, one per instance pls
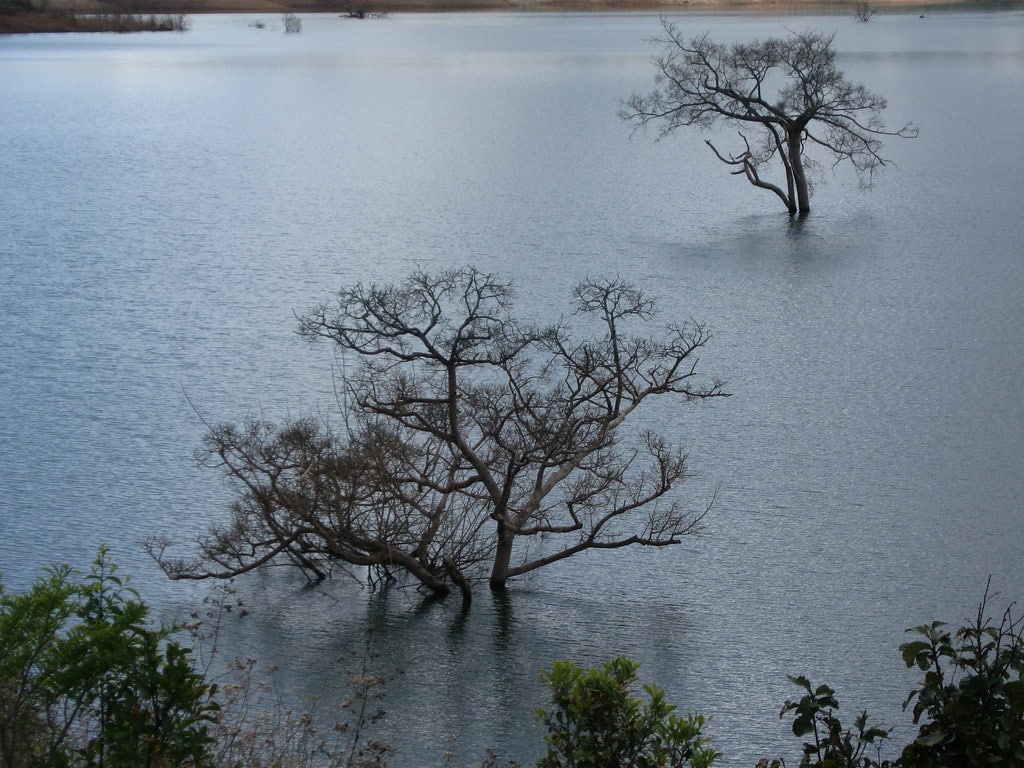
(77, 15)
(449, 6)
(781, 7)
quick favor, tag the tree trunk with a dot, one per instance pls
(794, 134)
(502, 557)
(430, 580)
(460, 581)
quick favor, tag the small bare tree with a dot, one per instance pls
(292, 23)
(864, 12)
(788, 91)
(475, 446)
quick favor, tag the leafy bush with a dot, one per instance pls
(85, 680)
(970, 703)
(597, 722)
(830, 746)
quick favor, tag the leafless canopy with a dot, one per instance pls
(467, 436)
(782, 93)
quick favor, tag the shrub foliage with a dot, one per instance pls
(596, 721)
(969, 705)
(87, 680)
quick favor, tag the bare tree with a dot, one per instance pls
(786, 93)
(360, 11)
(474, 446)
(864, 12)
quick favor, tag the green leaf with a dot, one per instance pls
(931, 738)
(910, 651)
(801, 681)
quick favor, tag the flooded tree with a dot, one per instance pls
(783, 94)
(472, 446)
(864, 12)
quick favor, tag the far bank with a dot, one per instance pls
(33, 16)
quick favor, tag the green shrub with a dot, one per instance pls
(597, 722)
(970, 704)
(85, 680)
(830, 746)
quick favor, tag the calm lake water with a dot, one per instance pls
(169, 202)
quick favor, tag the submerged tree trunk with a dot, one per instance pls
(794, 145)
(502, 557)
(431, 581)
(460, 581)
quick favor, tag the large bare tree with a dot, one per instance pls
(782, 94)
(472, 446)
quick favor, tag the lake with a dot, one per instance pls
(170, 203)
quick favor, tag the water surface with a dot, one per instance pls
(171, 201)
